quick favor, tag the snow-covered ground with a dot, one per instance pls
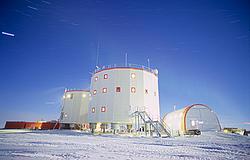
(75, 145)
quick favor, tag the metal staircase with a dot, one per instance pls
(159, 127)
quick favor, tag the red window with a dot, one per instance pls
(146, 91)
(93, 109)
(94, 92)
(105, 76)
(118, 89)
(104, 90)
(103, 109)
(133, 90)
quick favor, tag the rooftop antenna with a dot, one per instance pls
(97, 54)
(148, 63)
(126, 59)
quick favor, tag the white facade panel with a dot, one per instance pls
(131, 97)
(75, 107)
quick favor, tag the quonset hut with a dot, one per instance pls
(117, 92)
(196, 116)
(74, 112)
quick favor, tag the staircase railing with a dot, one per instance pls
(163, 126)
(150, 121)
(155, 124)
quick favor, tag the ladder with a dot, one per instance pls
(160, 127)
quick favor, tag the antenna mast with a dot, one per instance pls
(148, 63)
(97, 54)
(126, 59)
(174, 107)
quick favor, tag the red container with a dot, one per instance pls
(50, 125)
(32, 125)
(14, 125)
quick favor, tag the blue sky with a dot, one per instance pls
(201, 49)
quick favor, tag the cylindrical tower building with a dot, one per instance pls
(117, 92)
(74, 112)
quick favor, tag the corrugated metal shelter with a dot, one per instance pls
(196, 116)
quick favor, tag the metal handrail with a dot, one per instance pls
(150, 121)
(128, 66)
(153, 123)
(166, 130)
(165, 125)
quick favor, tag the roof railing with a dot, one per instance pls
(155, 71)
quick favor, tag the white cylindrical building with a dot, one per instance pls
(196, 116)
(74, 112)
(116, 92)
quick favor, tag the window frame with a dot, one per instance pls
(133, 76)
(103, 90)
(133, 90)
(105, 76)
(93, 109)
(118, 89)
(103, 109)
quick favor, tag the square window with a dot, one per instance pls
(103, 109)
(133, 90)
(146, 91)
(93, 109)
(96, 78)
(94, 92)
(154, 93)
(104, 90)
(105, 76)
(133, 75)
(118, 89)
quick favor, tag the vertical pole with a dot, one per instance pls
(126, 59)
(148, 63)
(135, 123)
(150, 130)
(97, 53)
(138, 122)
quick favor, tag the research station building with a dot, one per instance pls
(117, 92)
(196, 116)
(74, 113)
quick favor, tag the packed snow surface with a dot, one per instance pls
(59, 144)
